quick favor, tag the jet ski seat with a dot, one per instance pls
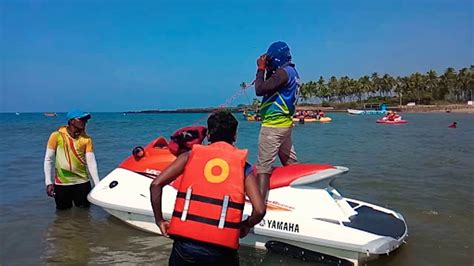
(156, 156)
(284, 176)
(160, 143)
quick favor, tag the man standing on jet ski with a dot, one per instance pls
(70, 152)
(207, 217)
(280, 94)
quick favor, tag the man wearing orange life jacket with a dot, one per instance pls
(207, 218)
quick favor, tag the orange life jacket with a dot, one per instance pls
(211, 195)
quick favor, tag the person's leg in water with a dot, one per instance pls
(80, 193)
(63, 197)
(268, 145)
(287, 152)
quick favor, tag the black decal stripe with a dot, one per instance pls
(152, 176)
(210, 200)
(205, 220)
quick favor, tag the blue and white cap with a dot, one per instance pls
(279, 54)
(77, 114)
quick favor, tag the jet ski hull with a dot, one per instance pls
(308, 214)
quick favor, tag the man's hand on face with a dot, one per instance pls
(262, 62)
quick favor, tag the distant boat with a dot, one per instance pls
(50, 114)
(369, 109)
(250, 116)
(17, 113)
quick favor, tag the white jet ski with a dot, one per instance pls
(306, 217)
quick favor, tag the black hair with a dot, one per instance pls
(222, 126)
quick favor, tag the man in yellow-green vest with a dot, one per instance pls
(70, 153)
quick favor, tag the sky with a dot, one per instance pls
(105, 56)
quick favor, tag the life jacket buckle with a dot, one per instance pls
(225, 204)
(186, 204)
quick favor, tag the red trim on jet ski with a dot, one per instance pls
(158, 157)
(283, 176)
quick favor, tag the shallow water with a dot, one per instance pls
(422, 169)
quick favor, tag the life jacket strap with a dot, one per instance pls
(186, 203)
(223, 212)
(205, 220)
(214, 201)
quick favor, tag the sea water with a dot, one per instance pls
(422, 169)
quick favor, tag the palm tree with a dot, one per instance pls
(465, 82)
(387, 84)
(322, 89)
(447, 83)
(401, 88)
(417, 85)
(432, 83)
(332, 87)
(307, 91)
(313, 90)
(353, 89)
(343, 88)
(365, 85)
(471, 82)
(304, 92)
(375, 83)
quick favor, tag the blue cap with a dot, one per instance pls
(77, 114)
(279, 54)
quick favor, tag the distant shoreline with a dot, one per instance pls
(439, 108)
(453, 108)
(186, 110)
(450, 108)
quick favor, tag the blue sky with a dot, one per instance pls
(134, 55)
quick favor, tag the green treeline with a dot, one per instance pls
(451, 86)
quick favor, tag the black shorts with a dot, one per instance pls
(191, 252)
(65, 195)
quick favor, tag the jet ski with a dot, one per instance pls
(391, 122)
(306, 216)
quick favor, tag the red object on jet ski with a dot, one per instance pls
(183, 139)
(284, 176)
(157, 156)
(151, 159)
(380, 121)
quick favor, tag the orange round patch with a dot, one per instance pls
(216, 170)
